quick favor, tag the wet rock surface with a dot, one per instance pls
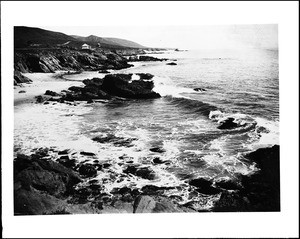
(259, 192)
(228, 124)
(204, 186)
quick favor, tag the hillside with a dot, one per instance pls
(37, 37)
(109, 41)
(25, 36)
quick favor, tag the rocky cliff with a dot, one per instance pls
(66, 59)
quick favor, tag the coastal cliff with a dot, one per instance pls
(52, 60)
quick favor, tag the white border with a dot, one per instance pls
(283, 224)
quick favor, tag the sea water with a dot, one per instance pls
(241, 84)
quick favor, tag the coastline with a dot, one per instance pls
(78, 194)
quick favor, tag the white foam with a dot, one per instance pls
(165, 87)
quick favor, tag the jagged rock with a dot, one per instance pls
(39, 184)
(19, 78)
(228, 124)
(204, 186)
(260, 191)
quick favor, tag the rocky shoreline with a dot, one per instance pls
(53, 182)
(43, 185)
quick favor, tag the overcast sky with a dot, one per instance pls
(187, 37)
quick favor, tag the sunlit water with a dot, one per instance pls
(239, 84)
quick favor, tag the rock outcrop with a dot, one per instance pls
(109, 87)
(258, 192)
(66, 59)
(19, 78)
(145, 58)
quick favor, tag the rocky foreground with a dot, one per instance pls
(52, 186)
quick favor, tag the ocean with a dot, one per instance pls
(239, 84)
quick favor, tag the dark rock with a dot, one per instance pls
(145, 76)
(65, 151)
(157, 150)
(87, 153)
(52, 93)
(75, 88)
(158, 161)
(19, 78)
(228, 124)
(40, 99)
(33, 172)
(260, 191)
(117, 141)
(154, 190)
(22, 91)
(88, 170)
(199, 89)
(120, 85)
(228, 185)
(150, 58)
(171, 64)
(130, 169)
(46, 103)
(106, 165)
(145, 173)
(66, 161)
(204, 186)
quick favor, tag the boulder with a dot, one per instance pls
(228, 124)
(158, 161)
(52, 93)
(144, 204)
(204, 186)
(145, 76)
(144, 172)
(40, 184)
(87, 170)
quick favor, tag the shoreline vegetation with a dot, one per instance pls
(44, 185)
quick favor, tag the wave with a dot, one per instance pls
(165, 87)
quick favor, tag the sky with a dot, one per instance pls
(185, 37)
